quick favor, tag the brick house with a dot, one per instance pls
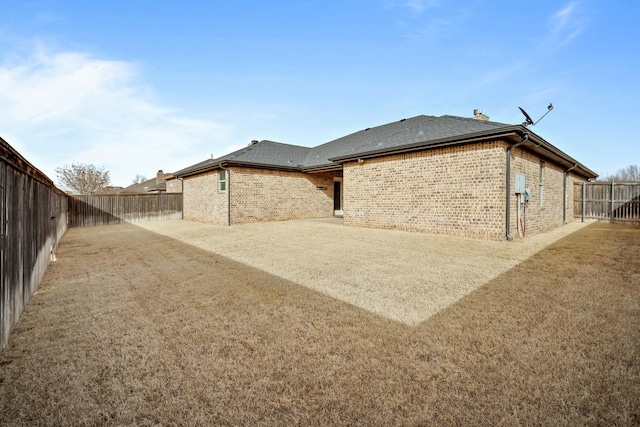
(153, 185)
(448, 174)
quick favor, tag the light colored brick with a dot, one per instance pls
(456, 190)
(259, 195)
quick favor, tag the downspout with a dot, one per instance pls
(182, 191)
(228, 193)
(525, 137)
(564, 192)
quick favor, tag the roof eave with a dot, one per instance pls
(224, 164)
(513, 133)
(327, 167)
(553, 153)
(434, 143)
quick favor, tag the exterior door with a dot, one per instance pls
(337, 198)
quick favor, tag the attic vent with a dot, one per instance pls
(402, 120)
(253, 142)
(477, 114)
(367, 128)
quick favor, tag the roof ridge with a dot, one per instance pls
(283, 143)
(475, 120)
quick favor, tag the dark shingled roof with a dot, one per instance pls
(396, 134)
(408, 134)
(266, 154)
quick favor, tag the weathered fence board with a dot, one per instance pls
(33, 218)
(87, 211)
(611, 201)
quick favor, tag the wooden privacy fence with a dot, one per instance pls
(33, 218)
(610, 201)
(86, 211)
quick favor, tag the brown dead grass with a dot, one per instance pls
(404, 276)
(134, 328)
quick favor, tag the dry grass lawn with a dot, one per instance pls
(404, 276)
(131, 327)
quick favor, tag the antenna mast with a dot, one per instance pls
(528, 121)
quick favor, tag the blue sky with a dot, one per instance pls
(137, 86)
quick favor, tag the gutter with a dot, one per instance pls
(540, 147)
(181, 191)
(524, 139)
(228, 174)
(438, 143)
(564, 192)
(214, 166)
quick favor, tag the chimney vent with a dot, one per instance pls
(477, 114)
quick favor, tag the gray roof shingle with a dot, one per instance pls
(407, 134)
(396, 134)
(264, 153)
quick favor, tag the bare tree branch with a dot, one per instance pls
(138, 179)
(630, 173)
(83, 178)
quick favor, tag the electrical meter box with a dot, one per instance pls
(527, 194)
(520, 185)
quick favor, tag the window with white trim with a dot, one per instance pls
(222, 181)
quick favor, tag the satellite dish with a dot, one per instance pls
(528, 120)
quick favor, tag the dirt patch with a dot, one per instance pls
(134, 328)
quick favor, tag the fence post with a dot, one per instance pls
(584, 199)
(613, 199)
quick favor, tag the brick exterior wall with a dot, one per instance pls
(270, 195)
(258, 195)
(454, 190)
(174, 186)
(540, 217)
(202, 201)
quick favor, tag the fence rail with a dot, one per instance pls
(610, 201)
(87, 211)
(33, 218)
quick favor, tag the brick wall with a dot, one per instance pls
(269, 195)
(258, 195)
(202, 201)
(454, 190)
(572, 197)
(540, 217)
(174, 186)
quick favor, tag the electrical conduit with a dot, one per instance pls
(524, 139)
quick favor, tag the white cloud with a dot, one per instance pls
(567, 23)
(66, 107)
(434, 25)
(415, 6)
(501, 74)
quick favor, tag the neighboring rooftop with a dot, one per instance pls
(153, 185)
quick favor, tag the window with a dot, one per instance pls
(541, 184)
(222, 181)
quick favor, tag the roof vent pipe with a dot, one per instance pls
(477, 114)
